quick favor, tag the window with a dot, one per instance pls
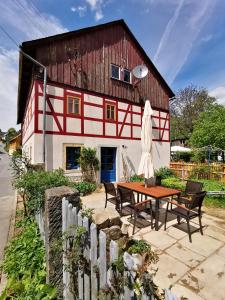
(120, 74)
(73, 105)
(126, 76)
(115, 72)
(72, 158)
(110, 112)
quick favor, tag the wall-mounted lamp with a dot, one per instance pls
(124, 147)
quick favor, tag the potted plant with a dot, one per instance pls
(140, 251)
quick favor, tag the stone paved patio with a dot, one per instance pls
(194, 270)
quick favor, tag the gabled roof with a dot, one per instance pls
(25, 67)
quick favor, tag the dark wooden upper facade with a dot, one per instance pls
(83, 59)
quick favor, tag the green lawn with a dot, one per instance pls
(209, 185)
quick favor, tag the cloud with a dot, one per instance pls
(81, 10)
(207, 38)
(180, 35)
(24, 22)
(96, 7)
(219, 94)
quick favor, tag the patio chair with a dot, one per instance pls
(142, 209)
(191, 188)
(188, 211)
(127, 199)
(111, 194)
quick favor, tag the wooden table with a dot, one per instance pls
(156, 192)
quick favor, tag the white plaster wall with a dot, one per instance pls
(161, 151)
(93, 99)
(29, 149)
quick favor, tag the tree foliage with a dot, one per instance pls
(11, 133)
(186, 108)
(89, 164)
(209, 129)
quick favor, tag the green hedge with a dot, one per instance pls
(33, 184)
(24, 266)
(84, 187)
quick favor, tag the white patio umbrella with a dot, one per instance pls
(146, 165)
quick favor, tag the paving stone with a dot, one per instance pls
(177, 231)
(181, 291)
(208, 279)
(221, 252)
(215, 232)
(169, 271)
(185, 255)
(160, 239)
(202, 244)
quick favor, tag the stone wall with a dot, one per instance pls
(53, 232)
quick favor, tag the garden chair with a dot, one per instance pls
(188, 211)
(191, 188)
(142, 209)
(111, 194)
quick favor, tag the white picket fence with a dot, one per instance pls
(89, 285)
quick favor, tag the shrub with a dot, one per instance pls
(174, 183)
(24, 266)
(84, 187)
(136, 178)
(34, 184)
(164, 172)
(199, 156)
(200, 172)
(89, 164)
(182, 156)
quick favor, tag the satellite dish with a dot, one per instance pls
(140, 71)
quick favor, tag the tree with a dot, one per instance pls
(209, 129)
(186, 108)
(89, 164)
(11, 133)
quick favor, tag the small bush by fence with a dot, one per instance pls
(200, 171)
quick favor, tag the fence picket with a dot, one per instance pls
(94, 261)
(74, 211)
(114, 250)
(65, 225)
(80, 272)
(87, 289)
(128, 274)
(102, 259)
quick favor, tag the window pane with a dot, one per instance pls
(115, 72)
(126, 76)
(112, 112)
(70, 105)
(76, 107)
(108, 112)
(72, 158)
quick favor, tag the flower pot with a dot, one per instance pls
(138, 261)
(158, 180)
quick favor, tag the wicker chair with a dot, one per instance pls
(189, 211)
(143, 208)
(111, 195)
(192, 187)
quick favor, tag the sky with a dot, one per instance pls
(184, 38)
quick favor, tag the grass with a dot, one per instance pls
(209, 185)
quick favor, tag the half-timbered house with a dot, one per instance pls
(93, 100)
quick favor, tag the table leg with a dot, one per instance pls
(156, 214)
